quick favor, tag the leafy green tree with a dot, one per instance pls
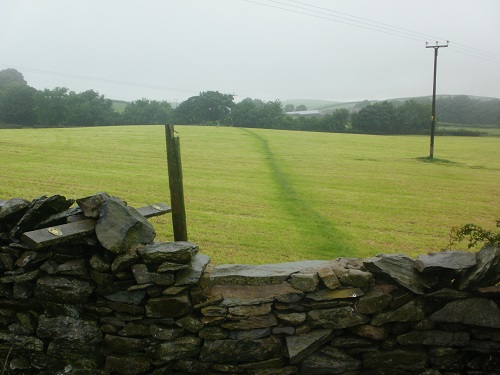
(301, 107)
(60, 107)
(146, 111)
(337, 122)
(51, 106)
(210, 107)
(413, 118)
(246, 113)
(312, 124)
(8, 76)
(292, 123)
(289, 108)
(22, 104)
(254, 113)
(88, 108)
(16, 98)
(272, 115)
(385, 118)
(458, 109)
(377, 118)
(462, 109)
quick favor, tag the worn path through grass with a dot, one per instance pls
(384, 195)
(328, 239)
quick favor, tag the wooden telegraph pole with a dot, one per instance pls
(175, 184)
(433, 118)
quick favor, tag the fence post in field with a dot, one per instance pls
(175, 184)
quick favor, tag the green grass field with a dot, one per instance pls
(261, 196)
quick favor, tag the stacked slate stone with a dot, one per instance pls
(384, 315)
(42, 292)
(116, 302)
(101, 303)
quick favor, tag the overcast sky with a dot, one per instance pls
(341, 50)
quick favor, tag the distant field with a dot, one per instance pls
(258, 196)
(334, 107)
(491, 130)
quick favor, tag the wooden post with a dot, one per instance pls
(175, 184)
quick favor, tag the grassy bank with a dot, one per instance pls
(256, 196)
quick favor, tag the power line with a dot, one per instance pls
(476, 55)
(491, 54)
(416, 33)
(365, 19)
(352, 18)
(333, 20)
(87, 78)
(326, 14)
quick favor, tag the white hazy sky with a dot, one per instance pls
(174, 49)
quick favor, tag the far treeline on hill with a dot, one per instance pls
(23, 105)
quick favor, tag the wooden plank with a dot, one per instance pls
(66, 232)
(156, 209)
(58, 234)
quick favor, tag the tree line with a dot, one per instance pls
(214, 108)
(23, 105)
(462, 109)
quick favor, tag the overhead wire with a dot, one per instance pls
(366, 19)
(462, 46)
(329, 19)
(477, 56)
(494, 55)
(106, 80)
(124, 83)
(365, 23)
(351, 18)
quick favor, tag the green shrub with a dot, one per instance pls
(475, 235)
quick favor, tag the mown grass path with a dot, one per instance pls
(328, 240)
(384, 196)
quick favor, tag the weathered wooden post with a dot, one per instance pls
(175, 184)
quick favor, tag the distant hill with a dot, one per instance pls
(347, 105)
(330, 106)
(470, 110)
(310, 103)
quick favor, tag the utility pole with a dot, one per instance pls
(433, 118)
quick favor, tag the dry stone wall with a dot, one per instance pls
(113, 301)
